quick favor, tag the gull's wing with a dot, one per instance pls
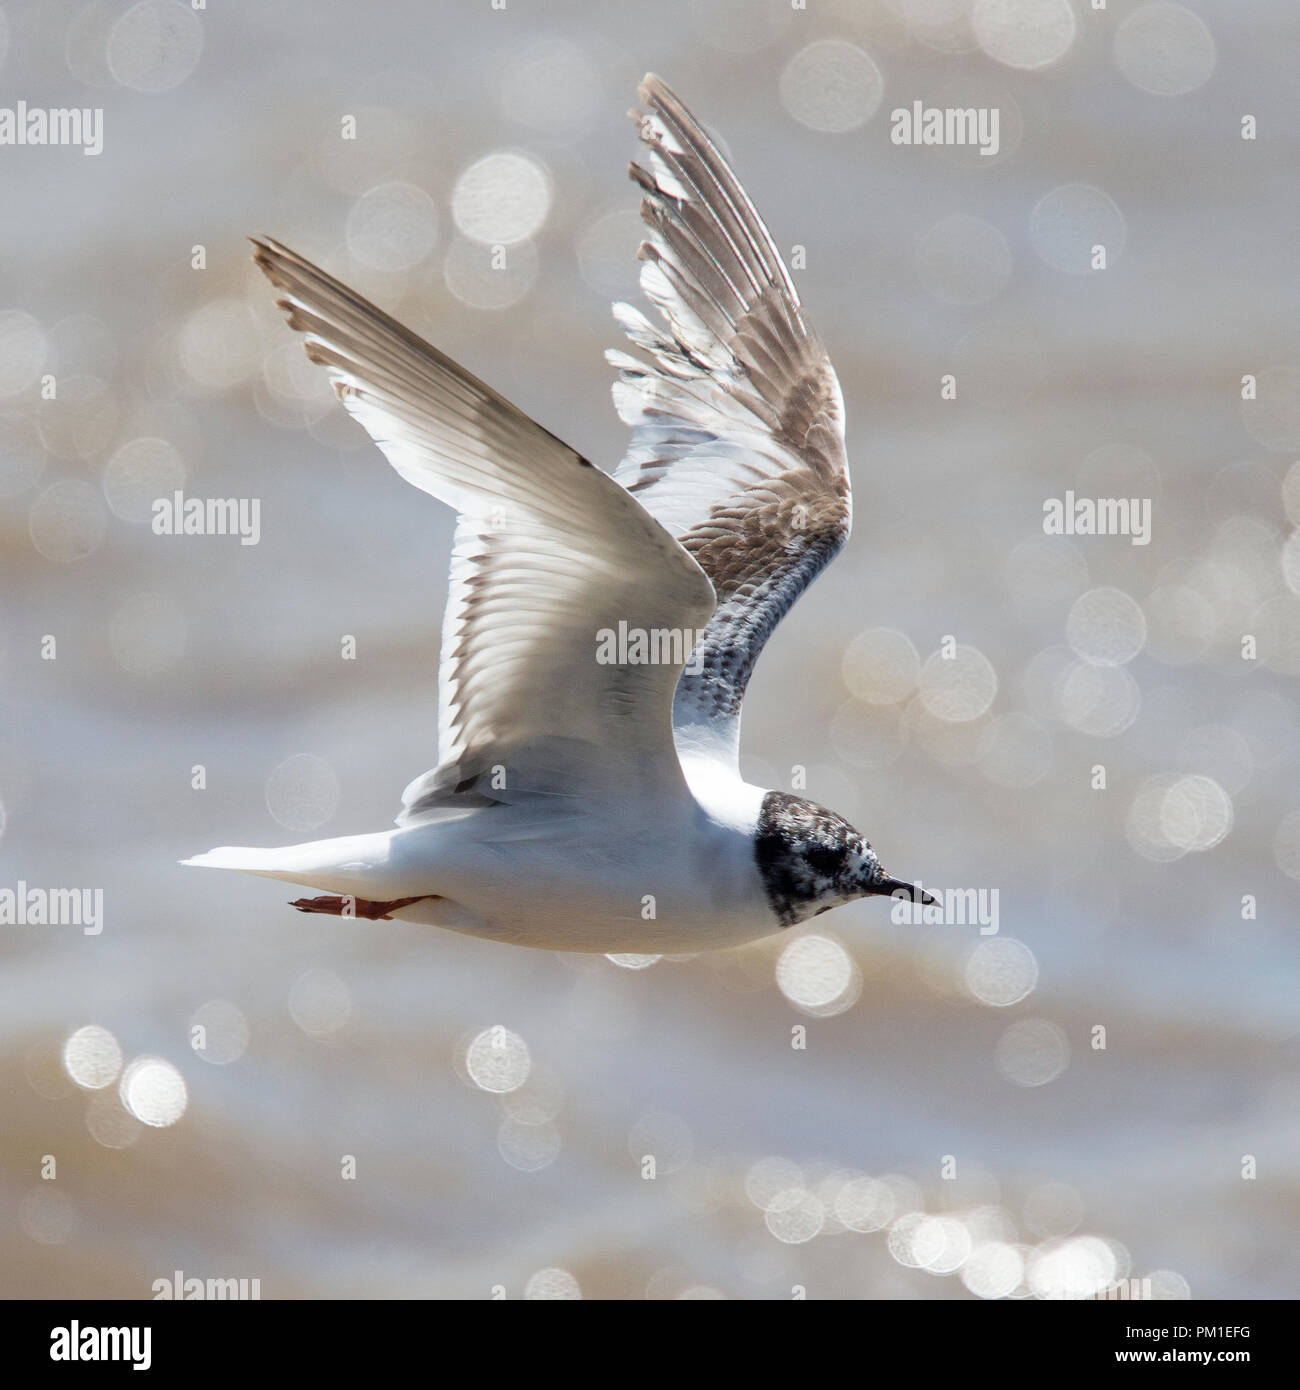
(736, 414)
(549, 552)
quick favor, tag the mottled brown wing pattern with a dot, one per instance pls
(736, 414)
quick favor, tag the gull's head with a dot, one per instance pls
(811, 860)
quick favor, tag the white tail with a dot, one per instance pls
(268, 863)
(349, 864)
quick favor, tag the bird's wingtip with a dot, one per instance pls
(267, 252)
(651, 86)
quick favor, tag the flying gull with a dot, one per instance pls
(587, 795)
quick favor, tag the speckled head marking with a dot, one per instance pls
(812, 860)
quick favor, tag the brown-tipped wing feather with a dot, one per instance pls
(736, 414)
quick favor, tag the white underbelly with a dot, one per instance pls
(595, 884)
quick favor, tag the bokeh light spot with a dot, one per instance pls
(498, 1060)
(1165, 49)
(832, 85)
(502, 198)
(302, 792)
(154, 1092)
(92, 1057)
(1032, 1052)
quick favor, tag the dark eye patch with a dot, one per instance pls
(825, 860)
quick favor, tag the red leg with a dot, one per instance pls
(358, 907)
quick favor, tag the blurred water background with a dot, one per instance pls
(951, 1128)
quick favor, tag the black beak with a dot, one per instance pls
(895, 887)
